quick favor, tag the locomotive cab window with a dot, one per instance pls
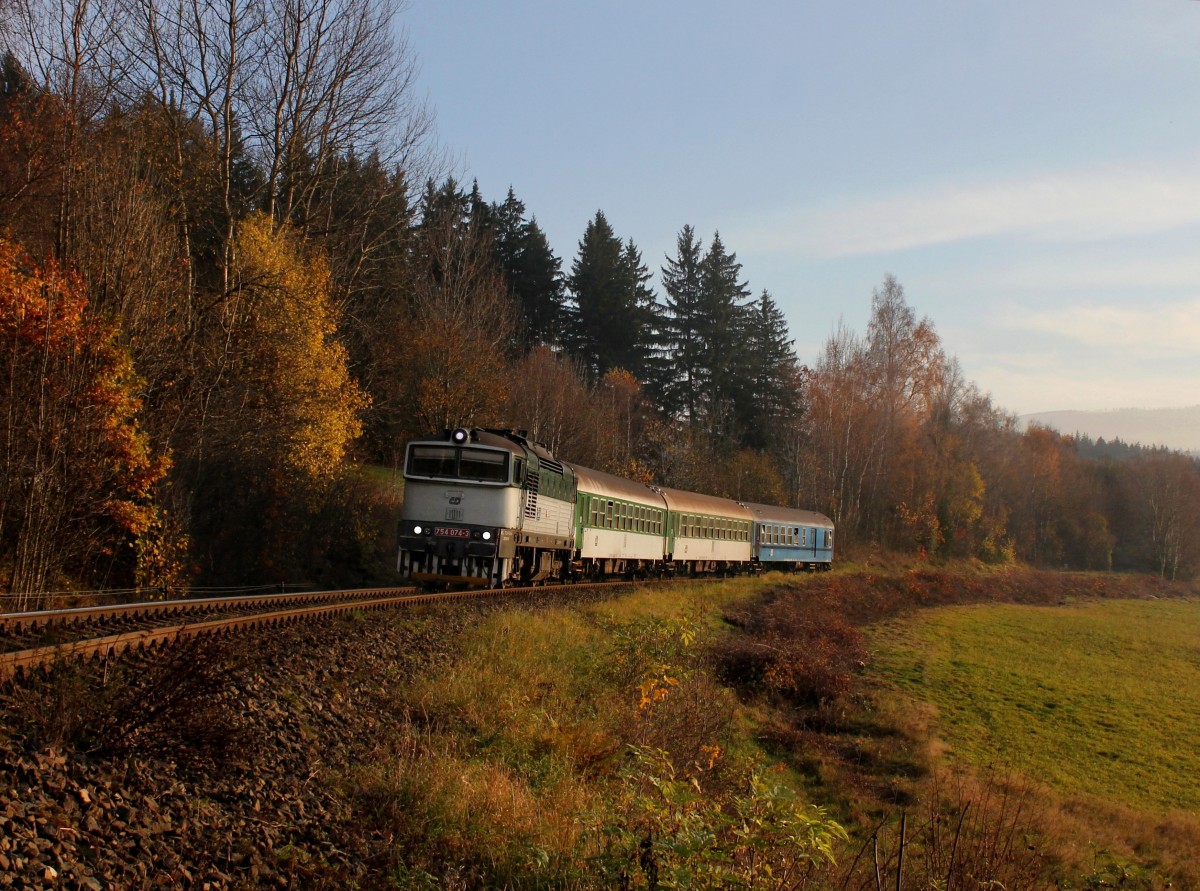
(431, 461)
(485, 466)
(448, 462)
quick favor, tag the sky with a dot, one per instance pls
(1029, 170)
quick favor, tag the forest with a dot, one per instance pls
(236, 276)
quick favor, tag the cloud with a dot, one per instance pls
(1155, 328)
(1092, 273)
(1081, 206)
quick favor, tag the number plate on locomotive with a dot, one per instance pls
(451, 532)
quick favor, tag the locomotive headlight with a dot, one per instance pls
(417, 530)
(487, 536)
(459, 436)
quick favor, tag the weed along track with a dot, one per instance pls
(40, 639)
(590, 737)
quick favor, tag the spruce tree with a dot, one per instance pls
(722, 322)
(681, 343)
(610, 318)
(772, 371)
(533, 273)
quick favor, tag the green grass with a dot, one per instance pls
(1097, 699)
(390, 481)
(563, 744)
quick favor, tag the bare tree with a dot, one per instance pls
(332, 81)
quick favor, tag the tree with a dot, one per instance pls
(531, 271)
(78, 472)
(1171, 505)
(283, 421)
(304, 408)
(906, 365)
(840, 422)
(724, 374)
(553, 405)
(450, 361)
(682, 339)
(773, 398)
(611, 319)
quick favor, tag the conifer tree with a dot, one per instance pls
(772, 372)
(722, 328)
(681, 341)
(532, 272)
(610, 319)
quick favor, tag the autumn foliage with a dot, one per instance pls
(247, 296)
(78, 471)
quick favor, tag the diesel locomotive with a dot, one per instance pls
(492, 508)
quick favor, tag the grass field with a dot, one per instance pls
(1097, 699)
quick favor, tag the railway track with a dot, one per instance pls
(33, 640)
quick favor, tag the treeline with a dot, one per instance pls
(231, 274)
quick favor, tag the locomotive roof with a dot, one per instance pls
(597, 482)
(694, 503)
(478, 437)
(767, 513)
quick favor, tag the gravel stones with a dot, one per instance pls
(302, 706)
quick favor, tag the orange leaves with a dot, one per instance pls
(79, 471)
(40, 307)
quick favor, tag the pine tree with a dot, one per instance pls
(772, 371)
(722, 327)
(610, 321)
(681, 342)
(532, 272)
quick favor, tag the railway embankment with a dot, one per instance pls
(575, 740)
(210, 766)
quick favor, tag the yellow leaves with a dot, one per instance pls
(307, 411)
(655, 687)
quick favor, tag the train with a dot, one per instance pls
(493, 508)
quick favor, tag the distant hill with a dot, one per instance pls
(1175, 428)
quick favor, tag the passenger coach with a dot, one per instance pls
(619, 525)
(790, 539)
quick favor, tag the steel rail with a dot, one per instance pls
(18, 661)
(84, 614)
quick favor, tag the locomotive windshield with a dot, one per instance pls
(450, 463)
